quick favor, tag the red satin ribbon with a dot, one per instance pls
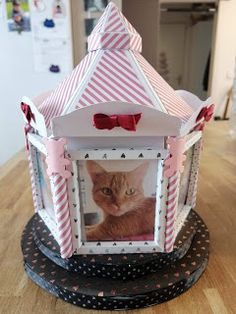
(128, 122)
(29, 116)
(206, 113)
(27, 112)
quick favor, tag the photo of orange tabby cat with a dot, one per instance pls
(127, 212)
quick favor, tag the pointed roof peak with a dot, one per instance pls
(113, 20)
(111, 6)
(113, 31)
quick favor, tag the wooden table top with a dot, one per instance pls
(215, 292)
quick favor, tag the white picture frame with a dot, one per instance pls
(116, 247)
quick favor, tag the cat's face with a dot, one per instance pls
(117, 193)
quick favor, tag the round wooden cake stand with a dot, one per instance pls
(91, 289)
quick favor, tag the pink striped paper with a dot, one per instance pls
(115, 41)
(32, 176)
(55, 104)
(114, 80)
(173, 103)
(171, 205)
(113, 31)
(114, 72)
(113, 20)
(61, 208)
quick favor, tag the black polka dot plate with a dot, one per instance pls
(115, 266)
(116, 294)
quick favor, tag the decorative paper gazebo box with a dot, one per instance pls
(114, 138)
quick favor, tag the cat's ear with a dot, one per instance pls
(94, 169)
(140, 171)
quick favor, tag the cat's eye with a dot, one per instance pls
(130, 191)
(106, 191)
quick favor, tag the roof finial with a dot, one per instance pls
(113, 31)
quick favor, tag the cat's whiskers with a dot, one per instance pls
(120, 196)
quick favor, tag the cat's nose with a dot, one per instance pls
(116, 207)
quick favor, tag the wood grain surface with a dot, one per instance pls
(215, 292)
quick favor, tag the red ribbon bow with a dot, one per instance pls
(128, 122)
(29, 116)
(27, 112)
(206, 113)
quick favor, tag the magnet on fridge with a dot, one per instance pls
(54, 68)
(49, 23)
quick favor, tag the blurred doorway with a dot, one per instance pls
(186, 36)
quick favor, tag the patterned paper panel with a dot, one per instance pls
(192, 190)
(173, 103)
(60, 199)
(115, 41)
(114, 79)
(184, 180)
(55, 104)
(113, 20)
(113, 31)
(172, 199)
(33, 172)
(117, 154)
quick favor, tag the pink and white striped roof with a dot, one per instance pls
(114, 70)
(113, 31)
